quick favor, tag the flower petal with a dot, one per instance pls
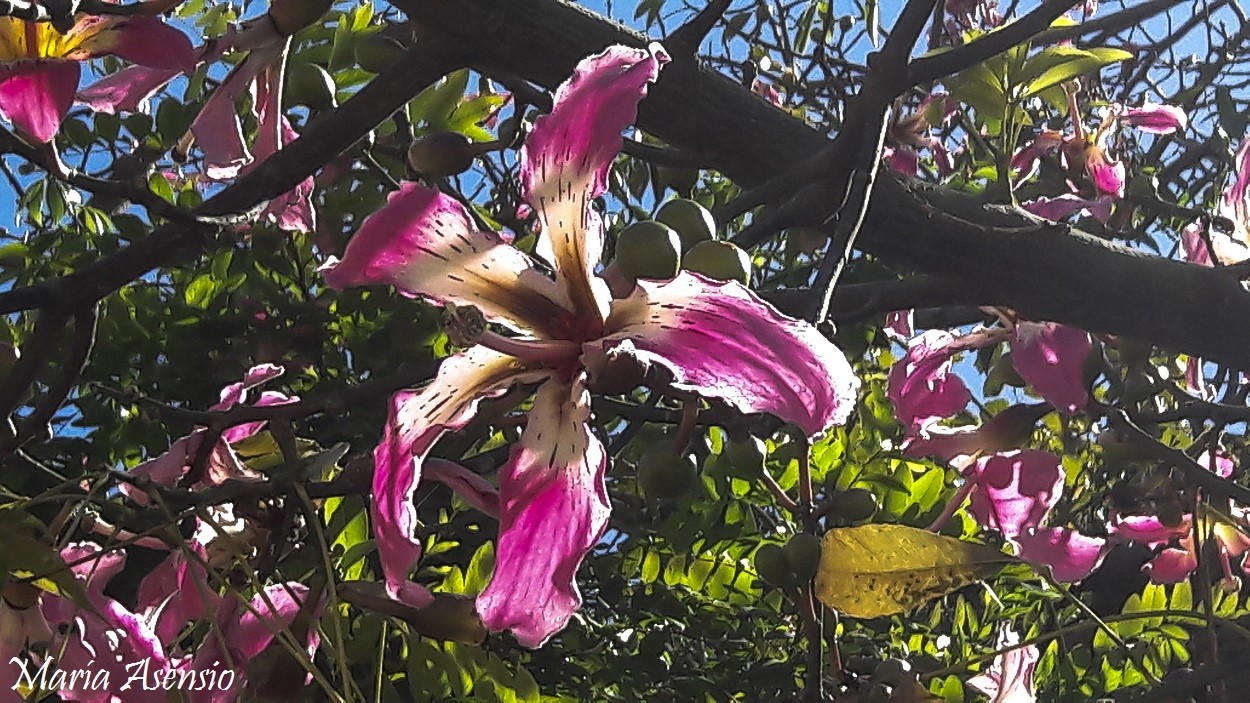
(1064, 206)
(1015, 490)
(1196, 249)
(417, 419)
(1071, 555)
(718, 339)
(565, 162)
(1148, 529)
(1156, 119)
(35, 95)
(292, 211)
(471, 487)
(217, 129)
(426, 245)
(1051, 358)
(921, 384)
(1010, 678)
(146, 41)
(1172, 565)
(128, 90)
(554, 508)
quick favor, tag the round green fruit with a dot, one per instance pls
(771, 565)
(648, 249)
(441, 154)
(803, 555)
(744, 458)
(692, 222)
(892, 672)
(665, 474)
(290, 16)
(376, 53)
(853, 505)
(311, 85)
(722, 261)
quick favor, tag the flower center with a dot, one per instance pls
(466, 327)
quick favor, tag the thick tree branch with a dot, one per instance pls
(1051, 273)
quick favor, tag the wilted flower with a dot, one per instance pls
(1010, 678)
(715, 339)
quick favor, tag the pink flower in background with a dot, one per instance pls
(1155, 118)
(715, 339)
(222, 464)
(1009, 678)
(1051, 358)
(1070, 555)
(921, 384)
(1015, 490)
(911, 133)
(40, 67)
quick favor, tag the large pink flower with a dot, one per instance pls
(1015, 490)
(39, 67)
(715, 339)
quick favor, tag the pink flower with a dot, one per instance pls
(1156, 119)
(1010, 678)
(223, 464)
(1070, 555)
(766, 91)
(912, 133)
(1015, 490)
(39, 66)
(218, 129)
(718, 340)
(1064, 206)
(921, 384)
(1051, 357)
(1083, 156)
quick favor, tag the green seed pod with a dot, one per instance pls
(692, 222)
(648, 249)
(290, 16)
(665, 474)
(311, 85)
(771, 565)
(892, 672)
(377, 52)
(441, 154)
(803, 555)
(744, 458)
(722, 261)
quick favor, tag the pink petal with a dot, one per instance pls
(1108, 176)
(921, 384)
(1171, 565)
(240, 635)
(1051, 357)
(236, 393)
(177, 592)
(1025, 161)
(1148, 529)
(721, 341)
(902, 160)
(1235, 194)
(217, 129)
(1071, 555)
(146, 41)
(128, 90)
(1196, 249)
(35, 95)
(766, 91)
(1156, 119)
(899, 325)
(554, 509)
(474, 489)
(292, 211)
(1064, 206)
(1222, 464)
(1010, 678)
(1015, 490)
(425, 244)
(417, 420)
(565, 162)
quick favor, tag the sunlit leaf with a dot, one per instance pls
(876, 570)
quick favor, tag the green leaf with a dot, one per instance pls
(877, 570)
(1061, 64)
(201, 291)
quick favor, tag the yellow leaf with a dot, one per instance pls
(871, 571)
